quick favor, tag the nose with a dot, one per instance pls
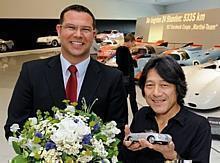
(157, 91)
(78, 32)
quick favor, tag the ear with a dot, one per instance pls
(58, 29)
(94, 33)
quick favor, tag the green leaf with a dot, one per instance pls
(92, 123)
(68, 160)
(102, 137)
(16, 147)
(19, 159)
(37, 140)
(37, 156)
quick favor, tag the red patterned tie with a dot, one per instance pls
(71, 87)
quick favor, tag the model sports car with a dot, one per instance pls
(6, 45)
(152, 137)
(203, 86)
(53, 41)
(195, 56)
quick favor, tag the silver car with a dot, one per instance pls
(152, 137)
(6, 45)
(53, 41)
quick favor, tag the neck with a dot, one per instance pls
(75, 59)
(162, 119)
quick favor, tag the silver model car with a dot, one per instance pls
(53, 41)
(152, 137)
(6, 45)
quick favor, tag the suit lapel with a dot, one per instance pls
(55, 80)
(90, 82)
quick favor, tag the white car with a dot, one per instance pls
(203, 86)
(53, 41)
(109, 42)
(6, 45)
(151, 136)
(111, 35)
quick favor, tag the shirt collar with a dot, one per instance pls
(81, 67)
(180, 116)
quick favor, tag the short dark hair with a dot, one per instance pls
(170, 71)
(129, 37)
(78, 8)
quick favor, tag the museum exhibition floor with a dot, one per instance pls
(9, 71)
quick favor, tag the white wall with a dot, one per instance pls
(193, 5)
(102, 9)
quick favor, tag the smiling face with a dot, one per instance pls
(160, 94)
(76, 35)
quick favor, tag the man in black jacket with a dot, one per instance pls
(126, 64)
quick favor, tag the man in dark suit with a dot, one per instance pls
(42, 83)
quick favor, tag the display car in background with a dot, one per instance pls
(141, 52)
(6, 45)
(107, 50)
(109, 35)
(194, 56)
(203, 86)
(52, 41)
(108, 42)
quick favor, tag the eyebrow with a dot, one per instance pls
(78, 25)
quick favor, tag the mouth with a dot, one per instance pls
(77, 43)
(158, 101)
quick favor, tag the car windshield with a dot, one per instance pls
(184, 55)
(175, 56)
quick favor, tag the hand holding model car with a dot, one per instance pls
(159, 142)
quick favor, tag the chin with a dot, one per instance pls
(159, 109)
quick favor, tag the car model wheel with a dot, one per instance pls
(151, 139)
(54, 43)
(3, 48)
(129, 138)
(196, 63)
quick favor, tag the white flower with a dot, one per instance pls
(33, 121)
(59, 115)
(114, 159)
(111, 130)
(99, 148)
(105, 161)
(51, 156)
(14, 127)
(70, 130)
(70, 108)
(33, 146)
(11, 139)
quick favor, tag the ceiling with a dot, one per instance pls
(159, 2)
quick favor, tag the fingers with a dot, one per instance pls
(168, 151)
(144, 143)
(134, 146)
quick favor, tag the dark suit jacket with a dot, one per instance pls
(40, 86)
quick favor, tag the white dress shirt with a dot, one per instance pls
(80, 74)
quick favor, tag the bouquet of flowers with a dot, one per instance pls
(70, 136)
